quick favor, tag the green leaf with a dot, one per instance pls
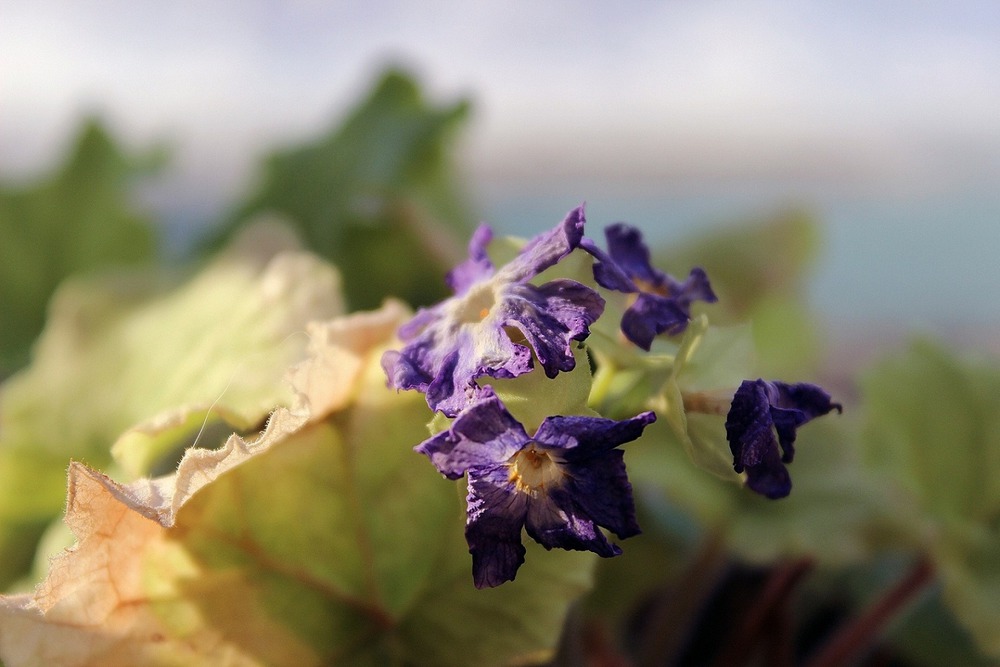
(710, 363)
(751, 261)
(930, 636)
(120, 350)
(836, 514)
(377, 195)
(327, 540)
(934, 425)
(565, 394)
(78, 219)
(758, 269)
(934, 430)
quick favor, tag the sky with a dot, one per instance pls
(904, 94)
(892, 103)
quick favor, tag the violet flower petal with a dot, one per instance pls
(630, 252)
(484, 435)
(550, 317)
(662, 304)
(496, 514)
(450, 346)
(556, 520)
(650, 315)
(604, 493)
(546, 249)
(562, 484)
(581, 438)
(761, 429)
(477, 267)
(607, 273)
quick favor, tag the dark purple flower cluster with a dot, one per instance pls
(567, 480)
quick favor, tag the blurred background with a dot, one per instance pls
(835, 167)
(880, 121)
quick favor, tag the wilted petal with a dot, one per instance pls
(604, 493)
(562, 484)
(556, 520)
(761, 427)
(496, 513)
(484, 435)
(662, 304)
(580, 438)
(546, 249)
(631, 253)
(450, 346)
(651, 315)
(552, 316)
(477, 267)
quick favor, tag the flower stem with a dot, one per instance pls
(775, 594)
(858, 634)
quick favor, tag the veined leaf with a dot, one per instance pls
(377, 195)
(119, 350)
(326, 540)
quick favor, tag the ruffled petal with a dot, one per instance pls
(651, 315)
(556, 520)
(662, 304)
(450, 346)
(749, 428)
(761, 429)
(446, 360)
(602, 489)
(770, 478)
(546, 249)
(550, 317)
(401, 373)
(477, 267)
(485, 434)
(696, 287)
(496, 514)
(630, 252)
(607, 273)
(576, 439)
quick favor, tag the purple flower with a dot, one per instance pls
(662, 304)
(496, 321)
(763, 416)
(560, 484)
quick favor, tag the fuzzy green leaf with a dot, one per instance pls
(934, 430)
(76, 220)
(327, 540)
(377, 195)
(120, 350)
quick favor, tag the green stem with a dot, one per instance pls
(603, 378)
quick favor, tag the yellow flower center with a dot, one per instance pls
(533, 469)
(649, 288)
(476, 305)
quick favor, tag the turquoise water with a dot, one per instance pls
(931, 262)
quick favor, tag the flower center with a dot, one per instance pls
(532, 469)
(476, 305)
(649, 288)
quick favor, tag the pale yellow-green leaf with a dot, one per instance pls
(711, 363)
(326, 540)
